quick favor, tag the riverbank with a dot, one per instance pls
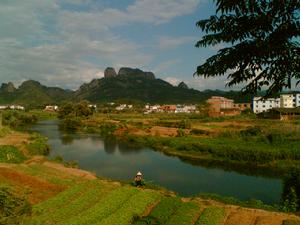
(266, 144)
(37, 186)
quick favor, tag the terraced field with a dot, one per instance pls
(95, 202)
(66, 196)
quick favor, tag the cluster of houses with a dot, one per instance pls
(284, 101)
(170, 108)
(221, 106)
(123, 107)
(286, 106)
(13, 107)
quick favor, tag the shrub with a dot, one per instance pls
(16, 119)
(12, 208)
(38, 145)
(10, 154)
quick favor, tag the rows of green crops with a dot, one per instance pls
(96, 203)
(84, 201)
(211, 216)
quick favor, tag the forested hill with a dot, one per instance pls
(33, 94)
(127, 84)
(135, 84)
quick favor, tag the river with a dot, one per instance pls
(110, 159)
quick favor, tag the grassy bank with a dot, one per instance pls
(243, 139)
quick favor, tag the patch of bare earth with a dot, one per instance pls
(163, 131)
(61, 168)
(236, 215)
(38, 190)
(14, 138)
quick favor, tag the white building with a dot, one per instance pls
(17, 107)
(263, 105)
(51, 108)
(284, 101)
(287, 101)
(297, 99)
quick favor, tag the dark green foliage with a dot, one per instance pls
(120, 89)
(12, 208)
(199, 132)
(261, 36)
(251, 131)
(80, 109)
(10, 154)
(33, 95)
(17, 119)
(70, 123)
(291, 191)
(291, 222)
(107, 129)
(38, 145)
(162, 212)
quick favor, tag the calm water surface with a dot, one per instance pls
(109, 159)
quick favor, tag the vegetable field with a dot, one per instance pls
(105, 203)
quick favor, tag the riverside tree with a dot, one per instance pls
(261, 44)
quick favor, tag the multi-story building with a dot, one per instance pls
(288, 101)
(217, 103)
(263, 105)
(220, 106)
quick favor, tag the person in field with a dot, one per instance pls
(138, 179)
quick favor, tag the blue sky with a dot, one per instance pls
(68, 42)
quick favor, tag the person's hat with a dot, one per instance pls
(139, 174)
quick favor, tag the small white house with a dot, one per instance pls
(16, 107)
(51, 108)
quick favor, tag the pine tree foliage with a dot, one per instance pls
(263, 36)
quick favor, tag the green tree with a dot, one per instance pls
(262, 36)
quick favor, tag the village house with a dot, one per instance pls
(51, 108)
(13, 107)
(242, 106)
(220, 106)
(168, 108)
(123, 107)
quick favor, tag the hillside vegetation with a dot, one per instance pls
(128, 85)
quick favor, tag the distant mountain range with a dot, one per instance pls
(126, 85)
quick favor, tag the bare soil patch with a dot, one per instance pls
(38, 190)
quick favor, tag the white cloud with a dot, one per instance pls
(172, 80)
(41, 40)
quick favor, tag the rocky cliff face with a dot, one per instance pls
(126, 71)
(110, 72)
(9, 87)
(183, 85)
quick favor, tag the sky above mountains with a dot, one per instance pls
(67, 42)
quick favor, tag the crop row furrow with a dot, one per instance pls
(185, 214)
(135, 206)
(62, 199)
(83, 202)
(211, 216)
(110, 204)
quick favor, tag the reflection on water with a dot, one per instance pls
(108, 158)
